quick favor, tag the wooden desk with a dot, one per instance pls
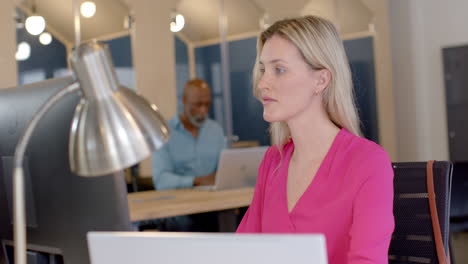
(160, 204)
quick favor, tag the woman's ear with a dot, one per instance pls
(324, 78)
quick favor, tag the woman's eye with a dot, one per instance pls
(262, 70)
(279, 70)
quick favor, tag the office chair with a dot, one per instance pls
(413, 239)
(459, 198)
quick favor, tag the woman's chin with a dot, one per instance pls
(270, 118)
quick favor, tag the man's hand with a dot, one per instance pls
(205, 180)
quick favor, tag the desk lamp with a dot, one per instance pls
(112, 128)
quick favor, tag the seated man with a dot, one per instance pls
(191, 155)
(190, 158)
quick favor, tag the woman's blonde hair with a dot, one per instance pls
(321, 47)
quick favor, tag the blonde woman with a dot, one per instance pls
(320, 176)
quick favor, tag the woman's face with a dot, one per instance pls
(288, 85)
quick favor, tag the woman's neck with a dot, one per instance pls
(313, 134)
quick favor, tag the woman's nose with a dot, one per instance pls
(263, 83)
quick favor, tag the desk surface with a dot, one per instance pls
(159, 204)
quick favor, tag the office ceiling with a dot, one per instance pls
(201, 15)
(109, 17)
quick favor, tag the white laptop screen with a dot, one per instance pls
(198, 248)
(238, 168)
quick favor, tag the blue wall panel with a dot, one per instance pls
(121, 51)
(361, 58)
(247, 114)
(45, 59)
(182, 69)
(247, 119)
(208, 68)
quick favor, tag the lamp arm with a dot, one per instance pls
(18, 173)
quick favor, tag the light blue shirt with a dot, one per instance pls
(185, 157)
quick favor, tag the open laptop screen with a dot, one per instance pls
(205, 248)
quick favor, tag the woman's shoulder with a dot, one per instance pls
(358, 151)
(361, 159)
(364, 161)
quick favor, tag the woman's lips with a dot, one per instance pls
(267, 100)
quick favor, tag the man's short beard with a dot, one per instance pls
(196, 120)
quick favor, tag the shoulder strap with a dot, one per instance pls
(442, 257)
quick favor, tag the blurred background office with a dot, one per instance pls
(409, 60)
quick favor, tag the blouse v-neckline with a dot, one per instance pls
(319, 174)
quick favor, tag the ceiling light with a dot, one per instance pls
(88, 9)
(177, 23)
(23, 51)
(45, 38)
(35, 24)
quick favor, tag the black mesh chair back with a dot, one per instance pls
(458, 199)
(413, 239)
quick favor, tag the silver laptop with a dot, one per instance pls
(205, 248)
(237, 168)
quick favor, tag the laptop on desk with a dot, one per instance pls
(205, 248)
(237, 168)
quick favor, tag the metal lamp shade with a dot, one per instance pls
(113, 127)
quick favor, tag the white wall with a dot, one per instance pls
(353, 16)
(323, 8)
(350, 16)
(8, 69)
(419, 31)
(154, 57)
(383, 66)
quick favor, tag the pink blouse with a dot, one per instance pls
(350, 200)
